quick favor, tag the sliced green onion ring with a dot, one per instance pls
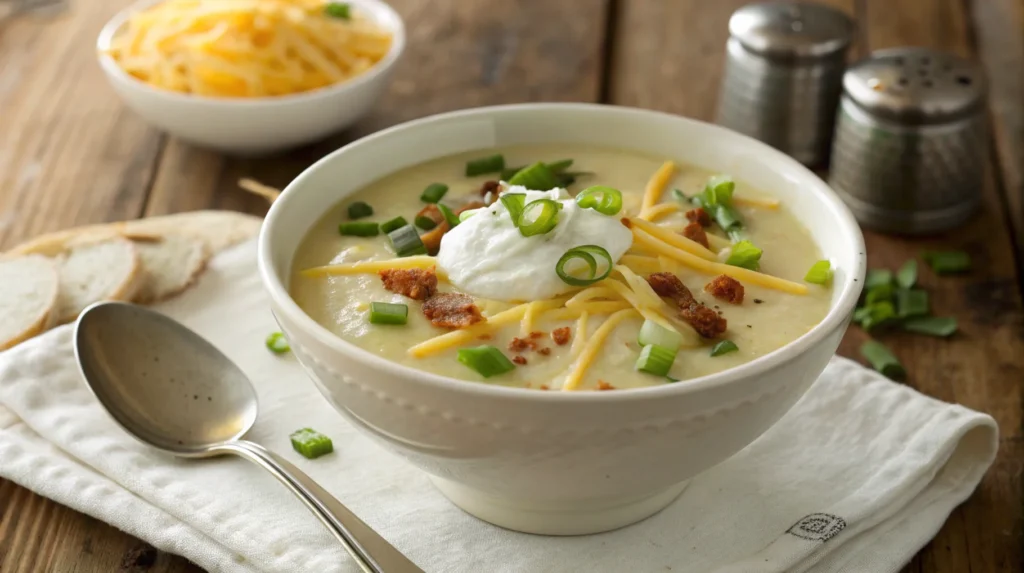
(514, 202)
(589, 254)
(604, 200)
(539, 217)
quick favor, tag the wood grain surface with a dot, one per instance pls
(71, 154)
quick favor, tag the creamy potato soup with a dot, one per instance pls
(562, 268)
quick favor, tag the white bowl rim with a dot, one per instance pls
(836, 317)
(111, 67)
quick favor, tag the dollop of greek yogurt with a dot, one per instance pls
(486, 255)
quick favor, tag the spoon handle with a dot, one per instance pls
(371, 552)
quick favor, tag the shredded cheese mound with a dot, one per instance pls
(247, 48)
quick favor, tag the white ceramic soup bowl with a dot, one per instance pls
(559, 462)
(252, 126)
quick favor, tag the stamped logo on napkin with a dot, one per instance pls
(818, 527)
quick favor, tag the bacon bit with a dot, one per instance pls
(725, 288)
(522, 345)
(528, 385)
(545, 351)
(451, 310)
(489, 187)
(696, 233)
(484, 336)
(544, 387)
(705, 321)
(432, 238)
(519, 359)
(699, 216)
(602, 385)
(417, 284)
(561, 336)
(626, 222)
(432, 212)
(536, 334)
(470, 206)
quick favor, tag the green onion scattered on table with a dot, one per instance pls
(724, 347)
(588, 255)
(338, 10)
(906, 277)
(653, 333)
(877, 277)
(879, 293)
(604, 200)
(744, 254)
(406, 241)
(536, 177)
(359, 209)
(359, 229)
(820, 273)
(433, 193)
(948, 262)
(392, 224)
(941, 326)
(311, 443)
(388, 313)
(425, 223)
(911, 302)
(485, 360)
(878, 315)
(489, 164)
(656, 360)
(882, 360)
(277, 343)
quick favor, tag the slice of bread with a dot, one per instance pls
(218, 230)
(107, 269)
(28, 298)
(169, 265)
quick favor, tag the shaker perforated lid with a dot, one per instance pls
(916, 86)
(791, 29)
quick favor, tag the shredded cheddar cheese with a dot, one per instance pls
(581, 335)
(678, 241)
(591, 348)
(656, 186)
(456, 337)
(660, 210)
(247, 48)
(362, 267)
(772, 204)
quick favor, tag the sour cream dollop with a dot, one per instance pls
(487, 256)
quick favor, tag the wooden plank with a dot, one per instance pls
(998, 31)
(459, 55)
(69, 152)
(669, 55)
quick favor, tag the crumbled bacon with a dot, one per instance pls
(519, 359)
(696, 233)
(431, 212)
(470, 206)
(602, 385)
(451, 310)
(725, 288)
(432, 238)
(417, 284)
(490, 187)
(522, 344)
(561, 336)
(699, 216)
(536, 334)
(544, 387)
(545, 351)
(704, 320)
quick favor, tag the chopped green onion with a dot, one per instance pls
(861, 314)
(948, 262)
(820, 273)
(567, 178)
(486, 360)
(746, 255)
(392, 224)
(880, 293)
(724, 347)
(931, 325)
(716, 199)
(514, 202)
(424, 222)
(433, 193)
(877, 277)
(656, 360)
(406, 241)
(311, 443)
(671, 379)
(560, 165)
(388, 313)
(338, 10)
(489, 164)
(277, 343)
(359, 209)
(604, 200)
(588, 254)
(911, 302)
(359, 229)
(678, 195)
(882, 359)
(878, 315)
(539, 217)
(510, 172)
(467, 214)
(556, 168)
(718, 190)
(449, 215)
(536, 177)
(906, 277)
(653, 333)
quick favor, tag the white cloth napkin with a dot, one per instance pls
(857, 477)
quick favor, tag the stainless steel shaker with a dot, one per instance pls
(911, 140)
(783, 75)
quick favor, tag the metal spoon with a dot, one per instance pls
(171, 389)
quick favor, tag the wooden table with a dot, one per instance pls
(71, 154)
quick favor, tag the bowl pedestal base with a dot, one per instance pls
(551, 518)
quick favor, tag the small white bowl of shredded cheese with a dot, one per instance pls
(251, 76)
